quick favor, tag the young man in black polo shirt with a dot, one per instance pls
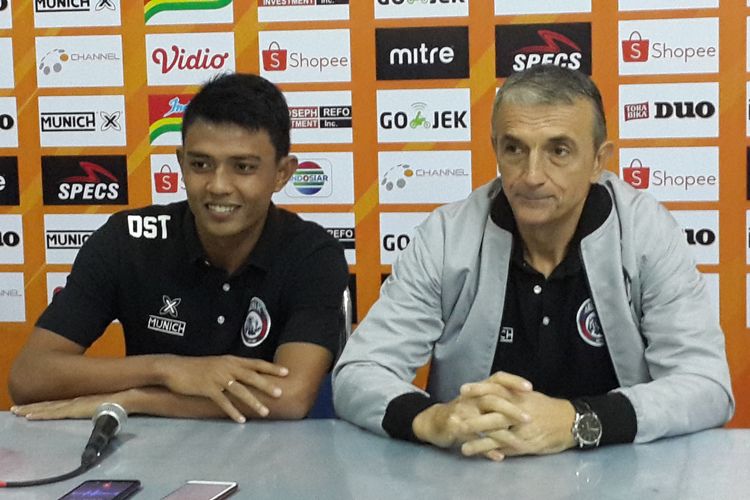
(230, 306)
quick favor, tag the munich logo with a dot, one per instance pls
(73, 5)
(84, 121)
(165, 114)
(91, 180)
(257, 323)
(170, 306)
(422, 53)
(521, 46)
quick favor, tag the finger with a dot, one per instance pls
(24, 410)
(246, 397)
(227, 407)
(478, 389)
(497, 440)
(495, 455)
(260, 382)
(488, 422)
(511, 381)
(496, 404)
(261, 366)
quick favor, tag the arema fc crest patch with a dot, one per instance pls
(257, 323)
(588, 324)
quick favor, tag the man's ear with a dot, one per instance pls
(284, 170)
(603, 154)
(180, 153)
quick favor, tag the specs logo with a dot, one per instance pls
(522, 46)
(69, 180)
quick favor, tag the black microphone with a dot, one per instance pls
(108, 419)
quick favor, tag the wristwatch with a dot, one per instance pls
(587, 428)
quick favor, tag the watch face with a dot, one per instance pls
(589, 428)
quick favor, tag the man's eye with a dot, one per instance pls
(561, 151)
(512, 149)
(246, 167)
(199, 165)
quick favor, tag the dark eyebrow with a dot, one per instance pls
(201, 155)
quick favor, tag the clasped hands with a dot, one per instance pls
(498, 417)
(225, 380)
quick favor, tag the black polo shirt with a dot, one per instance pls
(147, 269)
(550, 333)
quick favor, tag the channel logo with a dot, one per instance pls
(521, 46)
(340, 226)
(7, 79)
(97, 120)
(305, 56)
(302, 10)
(79, 61)
(8, 123)
(165, 114)
(629, 5)
(76, 13)
(85, 180)
(320, 117)
(422, 53)
(6, 19)
(396, 232)
(405, 9)
(673, 174)
(65, 234)
(701, 228)
(669, 110)
(188, 58)
(11, 239)
(514, 7)
(669, 46)
(12, 302)
(321, 178)
(161, 12)
(423, 176)
(425, 115)
(167, 184)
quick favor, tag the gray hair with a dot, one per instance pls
(547, 84)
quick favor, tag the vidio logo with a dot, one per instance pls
(9, 239)
(6, 122)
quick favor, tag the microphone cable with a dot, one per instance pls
(88, 459)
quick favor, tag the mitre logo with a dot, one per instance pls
(422, 53)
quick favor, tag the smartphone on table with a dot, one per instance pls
(111, 489)
(203, 490)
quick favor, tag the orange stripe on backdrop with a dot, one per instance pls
(364, 86)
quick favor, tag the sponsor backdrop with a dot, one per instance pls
(390, 103)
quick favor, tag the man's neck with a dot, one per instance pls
(544, 248)
(230, 253)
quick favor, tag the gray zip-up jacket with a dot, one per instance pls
(444, 302)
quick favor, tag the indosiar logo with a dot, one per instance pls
(521, 46)
(311, 179)
(85, 180)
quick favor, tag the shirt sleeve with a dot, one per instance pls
(87, 304)
(314, 297)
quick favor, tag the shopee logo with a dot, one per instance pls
(637, 175)
(635, 49)
(274, 58)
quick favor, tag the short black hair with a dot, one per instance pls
(243, 99)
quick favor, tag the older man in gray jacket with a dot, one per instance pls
(559, 306)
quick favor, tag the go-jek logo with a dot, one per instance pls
(187, 11)
(424, 115)
(165, 114)
(187, 59)
(309, 178)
